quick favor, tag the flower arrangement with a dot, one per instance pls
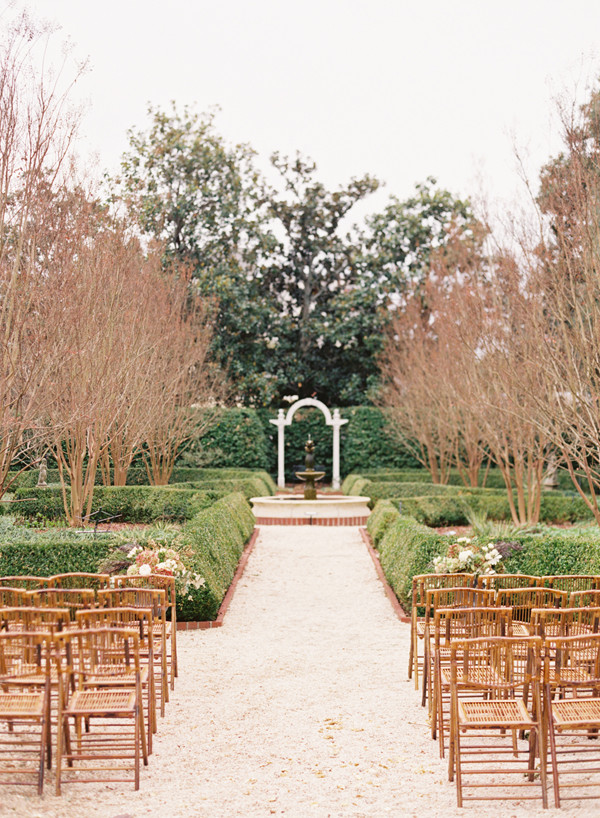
(466, 557)
(153, 558)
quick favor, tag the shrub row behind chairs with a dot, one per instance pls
(99, 654)
(505, 646)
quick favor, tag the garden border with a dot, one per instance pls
(223, 608)
(398, 609)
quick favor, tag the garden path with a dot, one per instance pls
(298, 706)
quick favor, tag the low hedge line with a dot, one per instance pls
(137, 476)
(441, 511)
(34, 554)
(133, 504)
(406, 548)
(383, 515)
(217, 538)
(385, 491)
(493, 477)
(214, 540)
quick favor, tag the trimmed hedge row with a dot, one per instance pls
(217, 538)
(138, 477)
(493, 478)
(441, 511)
(133, 504)
(54, 554)
(407, 548)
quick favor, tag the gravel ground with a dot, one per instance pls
(298, 706)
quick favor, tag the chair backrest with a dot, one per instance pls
(584, 599)
(573, 582)
(152, 598)
(498, 581)
(34, 619)
(79, 579)
(552, 622)
(572, 664)
(25, 582)
(24, 654)
(470, 623)
(101, 651)
(425, 582)
(500, 664)
(159, 581)
(523, 600)
(11, 597)
(134, 619)
(72, 599)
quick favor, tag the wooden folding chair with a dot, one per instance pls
(446, 598)
(451, 624)
(24, 707)
(79, 579)
(560, 622)
(34, 620)
(154, 600)
(420, 584)
(572, 714)
(116, 739)
(25, 582)
(496, 582)
(73, 599)
(133, 619)
(483, 751)
(12, 597)
(168, 585)
(523, 600)
(584, 599)
(573, 582)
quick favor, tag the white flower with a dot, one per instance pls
(145, 570)
(465, 556)
(463, 539)
(133, 552)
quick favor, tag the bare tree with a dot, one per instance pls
(36, 132)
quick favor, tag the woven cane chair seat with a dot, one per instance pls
(480, 676)
(21, 704)
(101, 702)
(496, 713)
(576, 712)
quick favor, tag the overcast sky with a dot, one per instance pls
(402, 89)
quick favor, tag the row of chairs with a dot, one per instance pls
(504, 663)
(99, 657)
(522, 592)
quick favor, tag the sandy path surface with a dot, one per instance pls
(298, 706)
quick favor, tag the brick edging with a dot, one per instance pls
(218, 622)
(398, 609)
(325, 521)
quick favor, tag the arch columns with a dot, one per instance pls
(285, 419)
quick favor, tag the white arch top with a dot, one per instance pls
(285, 419)
(308, 402)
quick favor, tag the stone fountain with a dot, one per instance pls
(309, 475)
(312, 508)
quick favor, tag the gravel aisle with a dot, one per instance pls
(298, 706)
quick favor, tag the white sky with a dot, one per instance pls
(402, 89)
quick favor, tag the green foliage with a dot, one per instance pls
(23, 551)
(383, 515)
(405, 549)
(216, 538)
(134, 504)
(237, 439)
(380, 491)
(548, 552)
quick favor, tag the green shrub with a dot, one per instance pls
(216, 538)
(406, 549)
(383, 515)
(236, 439)
(575, 551)
(25, 551)
(134, 504)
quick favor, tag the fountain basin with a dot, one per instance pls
(327, 509)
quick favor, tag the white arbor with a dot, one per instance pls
(285, 419)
